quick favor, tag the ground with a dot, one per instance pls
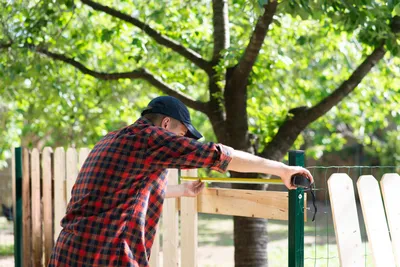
(216, 241)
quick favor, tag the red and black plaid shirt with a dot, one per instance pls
(117, 199)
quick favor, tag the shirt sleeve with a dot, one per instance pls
(167, 150)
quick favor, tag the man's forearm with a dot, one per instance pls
(175, 191)
(246, 162)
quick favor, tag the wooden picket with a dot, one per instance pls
(170, 225)
(189, 227)
(60, 203)
(83, 154)
(155, 251)
(71, 170)
(390, 185)
(26, 210)
(47, 203)
(345, 220)
(36, 211)
(375, 221)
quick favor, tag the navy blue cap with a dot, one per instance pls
(174, 108)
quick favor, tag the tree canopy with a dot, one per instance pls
(309, 51)
(261, 76)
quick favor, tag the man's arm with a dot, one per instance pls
(246, 162)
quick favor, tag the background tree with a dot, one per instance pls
(256, 74)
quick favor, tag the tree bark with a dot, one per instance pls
(250, 234)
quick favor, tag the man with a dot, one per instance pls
(117, 199)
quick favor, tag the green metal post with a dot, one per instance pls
(296, 216)
(18, 208)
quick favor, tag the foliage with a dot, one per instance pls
(311, 49)
(6, 250)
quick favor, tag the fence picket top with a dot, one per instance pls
(83, 154)
(390, 185)
(375, 221)
(71, 170)
(345, 220)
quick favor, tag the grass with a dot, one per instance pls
(216, 231)
(6, 250)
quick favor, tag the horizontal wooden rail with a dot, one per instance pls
(247, 203)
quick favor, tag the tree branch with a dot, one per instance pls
(221, 28)
(249, 57)
(135, 74)
(5, 45)
(302, 117)
(157, 36)
(346, 87)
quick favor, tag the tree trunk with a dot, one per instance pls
(250, 235)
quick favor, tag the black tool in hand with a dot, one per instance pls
(302, 181)
(299, 180)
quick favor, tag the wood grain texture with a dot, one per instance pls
(37, 238)
(189, 230)
(390, 185)
(170, 226)
(375, 221)
(60, 202)
(47, 202)
(26, 210)
(345, 219)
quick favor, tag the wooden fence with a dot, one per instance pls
(384, 245)
(47, 180)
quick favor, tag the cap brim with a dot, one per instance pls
(192, 132)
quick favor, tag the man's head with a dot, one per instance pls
(171, 114)
(170, 124)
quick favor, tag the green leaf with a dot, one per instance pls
(396, 10)
(106, 35)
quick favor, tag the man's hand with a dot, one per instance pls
(192, 189)
(288, 171)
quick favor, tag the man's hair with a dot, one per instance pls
(156, 118)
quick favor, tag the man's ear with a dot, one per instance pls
(165, 122)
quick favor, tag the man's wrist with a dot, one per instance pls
(282, 169)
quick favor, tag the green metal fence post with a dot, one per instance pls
(296, 216)
(18, 208)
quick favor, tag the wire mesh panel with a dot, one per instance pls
(320, 242)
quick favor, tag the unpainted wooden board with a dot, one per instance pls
(375, 221)
(60, 197)
(37, 239)
(170, 226)
(248, 203)
(72, 170)
(26, 210)
(189, 226)
(390, 185)
(47, 202)
(345, 220)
